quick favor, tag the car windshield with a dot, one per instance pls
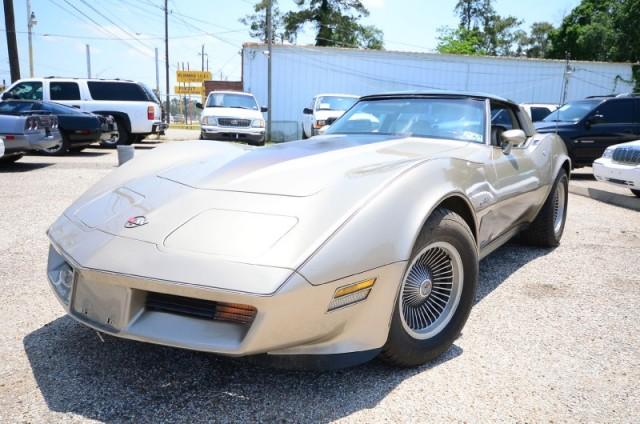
(573, 111)
(232, 100)
(335, 102)
(449, 118)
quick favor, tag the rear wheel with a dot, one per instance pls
(436, 294)
(636, 192)
(60, 149)
(120, 135)
(546, 230)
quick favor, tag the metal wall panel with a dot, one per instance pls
(299, 73)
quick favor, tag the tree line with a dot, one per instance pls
(603, 30)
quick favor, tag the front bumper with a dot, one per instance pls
(210, 132)
(623, 175)
(293, 321)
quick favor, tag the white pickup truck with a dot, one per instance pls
(135, 108)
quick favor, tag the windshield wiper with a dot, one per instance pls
(239, 107)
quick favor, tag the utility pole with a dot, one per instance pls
(567, 73)
(157, 73)
(269, 44)
(31, 22)
(88, 61)
(202, 57)
(12, 44)
(166, 57)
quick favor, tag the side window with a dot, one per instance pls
(502, 119)
(64, 91)
(539, 113)
(619, 111)
(119, 91)
(29, 90)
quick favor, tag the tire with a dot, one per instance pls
(202, 136)
(415, 338)
(304, 134)
(10, 159)
(123, 138)
(635, 192)
(546, 230)
(60, 149)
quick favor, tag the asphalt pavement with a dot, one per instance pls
(553, 336)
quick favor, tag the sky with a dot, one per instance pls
(123, 34)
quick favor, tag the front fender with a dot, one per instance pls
(385, 229)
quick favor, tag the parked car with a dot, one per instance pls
(591, 125)
(135, 107)
(232, 115)
(24, 132)
(328, 251)
(620, 165)
(538, 111)
(78, 129)
(323, 110)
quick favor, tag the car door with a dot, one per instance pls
(514, 177)
(611, 122)
(65, 92)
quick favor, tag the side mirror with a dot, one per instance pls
(264, 109)
(199, 105)
(594, 119)
(307, 111)
(512, 138)
(6, 96)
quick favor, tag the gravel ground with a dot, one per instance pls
(553, 337)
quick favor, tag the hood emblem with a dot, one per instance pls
(136, 221)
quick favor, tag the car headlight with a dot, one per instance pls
(257, 123)
(209, 120)
(608, 153)
(62, 280)
(320, 123)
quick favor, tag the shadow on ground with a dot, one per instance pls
(120, 380)
(22, 166)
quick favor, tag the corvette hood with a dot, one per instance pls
(304, 168)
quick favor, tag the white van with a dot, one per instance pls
(135, 107)
(233, 116)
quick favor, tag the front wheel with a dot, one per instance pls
(436, 294)
(546, 230)
(635, 192)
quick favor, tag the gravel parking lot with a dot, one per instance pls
(553, 336)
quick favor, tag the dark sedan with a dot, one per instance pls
(78, 129)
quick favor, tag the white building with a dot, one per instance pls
(301, 72)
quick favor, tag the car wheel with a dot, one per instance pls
(10, 159)
(202, 135)
(546, 230)
(304, 134)
(60, 149)
(120, 135)
(636, 192)
(436, 293)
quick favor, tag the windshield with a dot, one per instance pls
(232, 100)
(458, 119)
(572, 112)
(335, 103)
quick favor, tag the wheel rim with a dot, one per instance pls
(431, 290)
(115, 136)
(55, 149)
(558, 207)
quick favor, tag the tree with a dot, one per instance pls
(459, 41)
(481, 30)
(336, 23)
(538, 42)
(257, 21)
(588, 32)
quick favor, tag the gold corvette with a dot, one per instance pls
(326, 252)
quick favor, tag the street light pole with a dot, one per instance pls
(269, 44)
(12, 44)
(31, 22)
(166, 58)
